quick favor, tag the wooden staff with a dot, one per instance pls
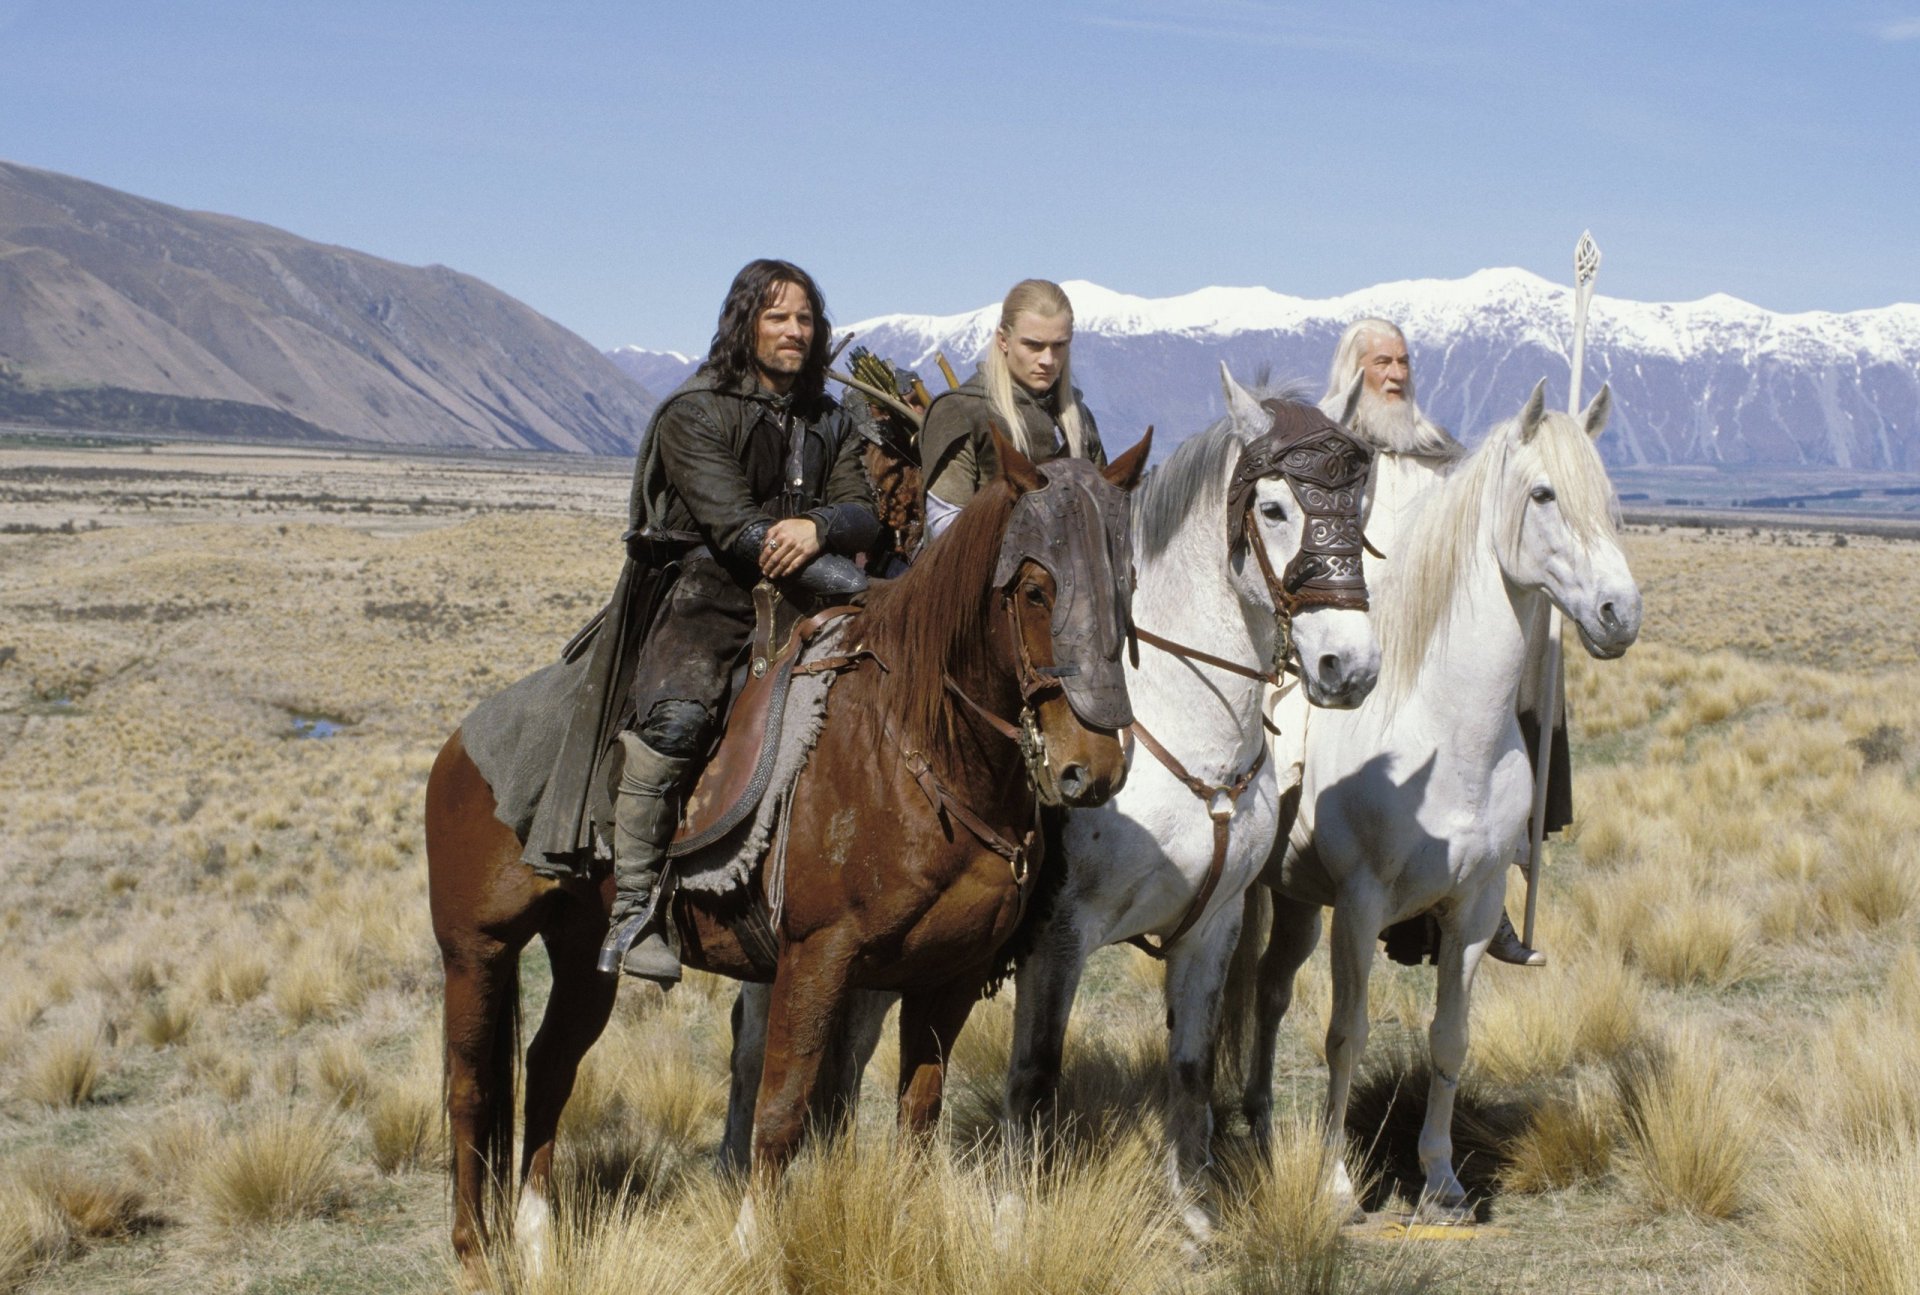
(1586, 267)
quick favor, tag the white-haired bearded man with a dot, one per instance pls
(1411, 455)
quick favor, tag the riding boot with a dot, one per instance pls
(1506, 946)
(643, 822)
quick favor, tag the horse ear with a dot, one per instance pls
(1595, 419)
(1351, 404)
(1015, 468)
(1242, 408)
(1534, 412)
(1126, 470)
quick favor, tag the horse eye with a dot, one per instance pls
(1036, 596)
(1543, 494)
(1273, 512)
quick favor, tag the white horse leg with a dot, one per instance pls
(1443, 1199)
(749, 1019)
(1356, 926)
(1295, 934)
(1196, 975)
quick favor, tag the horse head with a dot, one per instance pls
(1559, 523)
(1294, 508)
(1064, 576)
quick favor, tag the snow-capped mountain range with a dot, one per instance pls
(1715, 381)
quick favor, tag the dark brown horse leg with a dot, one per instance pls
(577, 1009)
(930, 1020)
(482, 997)
(807, 1012)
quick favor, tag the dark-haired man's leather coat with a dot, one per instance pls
(718, 465)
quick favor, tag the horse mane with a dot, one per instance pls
(1196, 476)
(1415, 600)
(934, 621)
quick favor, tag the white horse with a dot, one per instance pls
(1418, 800)
(1143, 865)
(1140, 866)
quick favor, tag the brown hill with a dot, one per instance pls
(113, 302)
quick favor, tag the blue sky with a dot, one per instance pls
(613, 164)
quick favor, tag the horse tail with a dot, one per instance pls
(1240, 998)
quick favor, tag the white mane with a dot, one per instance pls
(1444, 535)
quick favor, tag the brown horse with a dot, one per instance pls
(910, 850)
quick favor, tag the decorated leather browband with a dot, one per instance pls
(1328, 471)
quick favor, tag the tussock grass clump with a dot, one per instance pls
(1281, 1228)
(341, 1071)
(1862, 1078)
(92, 1206)
(857, 1218)
(662, 1079)
(283, 1167)
(1847, 1220)
(1692, 1127)
(163, 1020)
(66, 1068)
(314, 983)
(404, 1126)
(33, 1232)
(1569, 1140)
(166, 1152)
(1701, 940)
(234, 973)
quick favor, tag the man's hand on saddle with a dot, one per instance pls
(789, 546)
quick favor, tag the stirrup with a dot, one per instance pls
(620, 938)
(645, 955)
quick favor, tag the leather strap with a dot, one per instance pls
(945, 802)
(1219, 663)
(1210, 795)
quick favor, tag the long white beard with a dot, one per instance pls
(1397, 426)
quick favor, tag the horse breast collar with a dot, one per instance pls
(1077, 528)
(1328, 471)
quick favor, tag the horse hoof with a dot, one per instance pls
(1447, 1212)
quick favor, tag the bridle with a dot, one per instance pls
(1327, 469)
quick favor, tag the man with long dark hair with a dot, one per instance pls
(748, 472)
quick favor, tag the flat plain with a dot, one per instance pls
(224, 674)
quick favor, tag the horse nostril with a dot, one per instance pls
(1073, 780)
(1329, 667)
(1609, 617)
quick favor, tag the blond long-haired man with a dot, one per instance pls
(1025, 384)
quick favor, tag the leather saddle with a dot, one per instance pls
(735, 779)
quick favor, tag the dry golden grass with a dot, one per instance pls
(1847, 1220)
(66, 1067)
(1569, 1140)
(1692, 1140)
(163, 1020)
(284, 1165)
(33, 1232)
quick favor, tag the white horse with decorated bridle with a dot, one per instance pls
(1165, 863)
(1418, 800)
